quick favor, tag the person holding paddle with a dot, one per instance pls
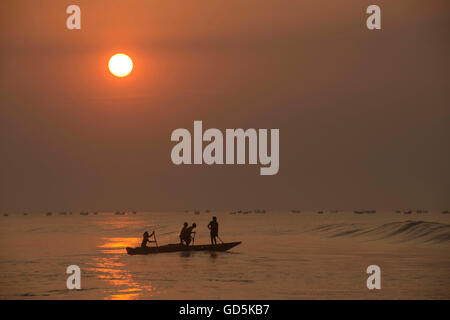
(213, 226)
(186, 236)
(145, 238)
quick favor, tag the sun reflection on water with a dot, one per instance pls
(110, 269)
(117, 245)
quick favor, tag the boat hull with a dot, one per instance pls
(181, 248)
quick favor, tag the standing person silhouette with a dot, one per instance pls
(213, 226)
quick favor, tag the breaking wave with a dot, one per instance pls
(403, 231)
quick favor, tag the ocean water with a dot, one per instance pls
(283, 256)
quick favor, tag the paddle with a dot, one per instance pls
(193, 238)
(154, 237)
(220, 239)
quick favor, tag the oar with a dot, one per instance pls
(154, 237)
(220, 239)
(193, 238)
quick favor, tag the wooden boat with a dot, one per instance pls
(180, 248)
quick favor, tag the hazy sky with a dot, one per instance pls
(363, 115)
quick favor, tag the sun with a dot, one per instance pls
(120, 65)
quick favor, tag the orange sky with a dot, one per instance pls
(363, 115)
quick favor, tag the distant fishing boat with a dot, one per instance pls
(120, 213)
(196, 212)
(446, 212)
(408, 212)
(295, 211)
(49, 213)
(25, 214)
(5, 214)
(84, 213)
(182, 248)
(320, 212)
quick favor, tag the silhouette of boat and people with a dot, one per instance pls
(186, 243)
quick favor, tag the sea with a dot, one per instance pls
(283, 255)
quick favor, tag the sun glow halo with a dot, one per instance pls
(120, 65)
